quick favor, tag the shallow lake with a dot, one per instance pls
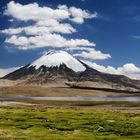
(130, 99)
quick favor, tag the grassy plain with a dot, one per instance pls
(42, 123)
(67, 120)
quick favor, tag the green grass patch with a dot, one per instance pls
(68, 124)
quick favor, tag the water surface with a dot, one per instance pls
(130, 99)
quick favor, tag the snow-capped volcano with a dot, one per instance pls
(53, 65)
(61, 68)
(55, 59)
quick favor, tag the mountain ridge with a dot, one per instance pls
(61, 67)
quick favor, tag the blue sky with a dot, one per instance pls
(115, 31)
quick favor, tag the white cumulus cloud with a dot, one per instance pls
(34, 12)
(78, 15)
(47, 40)
(37, 30)
(49, 28)
(91, 53)
(129, 69)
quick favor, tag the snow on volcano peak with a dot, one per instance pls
(52, 59)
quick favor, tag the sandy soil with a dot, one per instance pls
(90, 105)
(65, 92)
(8, 83)
(16, 104)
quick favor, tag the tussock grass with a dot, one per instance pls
(35, 123)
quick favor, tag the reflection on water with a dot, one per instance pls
(131, 99)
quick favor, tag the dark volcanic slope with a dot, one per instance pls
(43, 71)
(113, 80)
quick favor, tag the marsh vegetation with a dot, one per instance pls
(36, 123)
